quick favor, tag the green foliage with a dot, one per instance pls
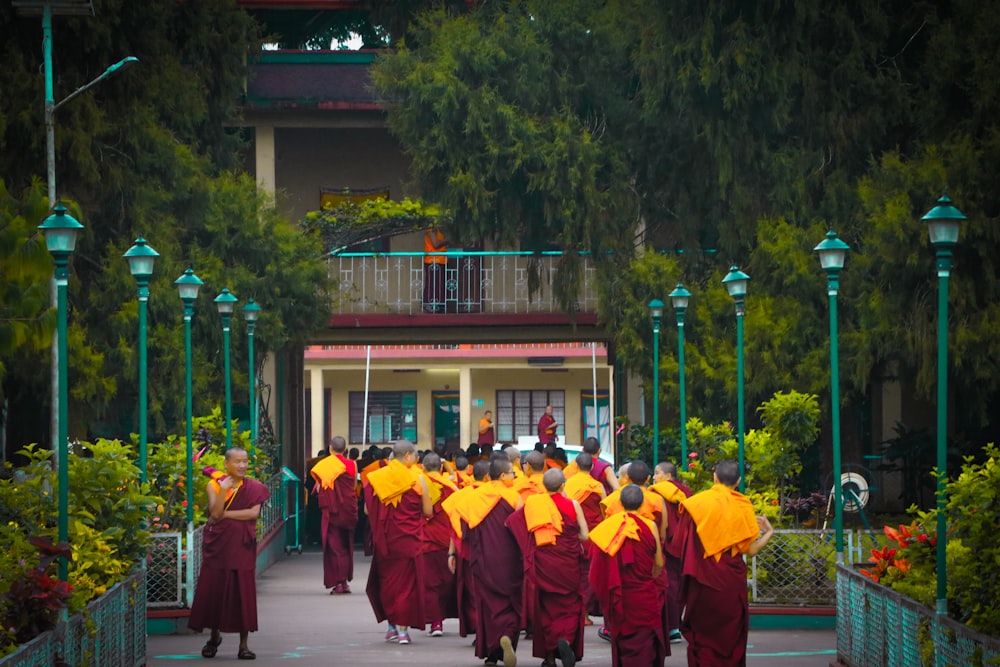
(353, 222)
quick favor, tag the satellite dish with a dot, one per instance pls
(854, 490)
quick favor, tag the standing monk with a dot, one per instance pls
(673, 491)
(487, 432)
(626, 564)
(717, 527)
(458, 556)
(601, 469)
(589, 493)
(440, 597)
(550, 528)
(492, 548)
(398, 501)
(335, 477)
(532, 481)
(547, 426)
(226, 597)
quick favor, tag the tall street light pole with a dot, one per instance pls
(943, 225)
(736, 284)
(679, 298)
(141, 257)
(832, 252)
(60, 231)
(251, 312)
(188, 285)
(225, 303)
(656, 312)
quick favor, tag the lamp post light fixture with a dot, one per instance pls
(188, 285)
(943, 225)
(141, 258)
(736, 284)
(251, 312)
(679, 298)
(226, 302)
(60, 231)
(656, 312)
(832, 252)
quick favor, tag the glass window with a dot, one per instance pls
(518, 411)
(391, 415)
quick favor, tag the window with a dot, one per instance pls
(391, 415)
(518, 411)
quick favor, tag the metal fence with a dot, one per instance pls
(110, 632)
(878, 627)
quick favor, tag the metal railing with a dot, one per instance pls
(110, 631)
(878, 627)
(472, 282)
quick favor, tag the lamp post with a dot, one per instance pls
(832, 252)
(736, 284)
(251, 312)
(943, 225)
(679, 298)
(225, 302)
(656, 312)
(141, 257)
(188, 285)
(60, 231)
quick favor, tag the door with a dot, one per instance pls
(447, 431)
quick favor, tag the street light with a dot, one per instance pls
(251, 312)
(188, 285)
(943, 225)
(656, 312)
(832, 252)
(679, 298)
(60, 231)
(736, 284)
(225, 303)
(140, 258)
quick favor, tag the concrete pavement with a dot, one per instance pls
(301, 625)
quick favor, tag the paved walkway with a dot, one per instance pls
(302, 626)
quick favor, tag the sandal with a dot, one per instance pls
(246, 654)
(210, 648)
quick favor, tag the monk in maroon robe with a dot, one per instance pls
(225, 599)
(717, 527)
(335, 477)
(589, 493)
(626, 565)
(458, 555)
(600, 469)
(547, 426)
(491, 548)
(673, 492)
(440, 596)
(550, 528)
(398, 501)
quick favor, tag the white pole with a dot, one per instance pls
(593, 369)
(368, 370)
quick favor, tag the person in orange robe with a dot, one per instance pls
(589, 493)
(550, 529)
(440, 598)
(487, 431)
(398, 501)
(626, 563)
(458, 556)
(492, 548)
(531, 483)
(653, 507)
(380, 461)
(514, 454)
(601, 469)
(551, 460)
(673, 491)
(225, 599)
(335, 477)
(435, 273)
(717, 527)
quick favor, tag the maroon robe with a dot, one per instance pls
(439, 584)
(225, 598)
(672, 559)
(632, 600)
(546, 433)
(492, 549)
(340, 517)
(714, 596)
(599, 472)
(397, 568)
(553, 577)
(591, 507)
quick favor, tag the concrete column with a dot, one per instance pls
(265, 157)
(465, 423)
(316, 405)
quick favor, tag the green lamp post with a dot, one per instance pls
(60, 231)
(656, 312)
(226, 302)
(943, 225)
(251, 312)
(188, 285)
(832, 252)
(141, 258)
(679, 298)
(736, 284)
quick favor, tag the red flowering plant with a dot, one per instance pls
(908, 546)
(32, 602)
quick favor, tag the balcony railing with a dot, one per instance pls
(467, 282)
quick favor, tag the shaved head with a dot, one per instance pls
(553, 480)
